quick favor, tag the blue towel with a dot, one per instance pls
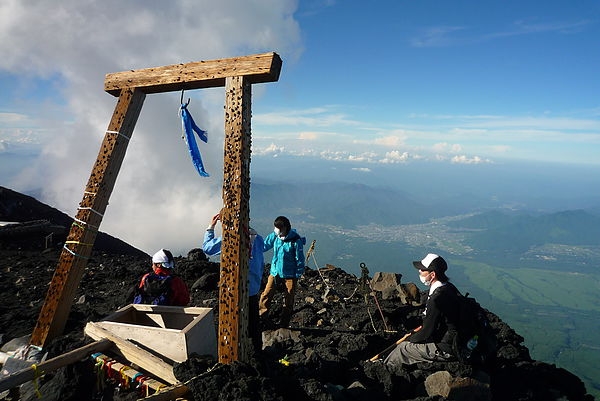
(189, 127)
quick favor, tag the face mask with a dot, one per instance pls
(424, 280)
(277, 231)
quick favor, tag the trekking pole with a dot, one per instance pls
(367, 283)
(310, 253)
(391, 347)
(311, 249)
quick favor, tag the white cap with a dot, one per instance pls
(165, 258)
(432, 262)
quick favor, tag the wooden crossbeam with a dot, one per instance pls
(257, 68)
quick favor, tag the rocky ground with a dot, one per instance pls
(338, 324)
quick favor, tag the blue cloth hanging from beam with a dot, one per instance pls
(189, 127)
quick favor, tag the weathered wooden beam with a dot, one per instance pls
(232, 341)
(256, 68)
(174, 392)
(78, 247)
(24, 375)
(134, 354)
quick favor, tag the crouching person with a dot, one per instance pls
(161, 286)
(433, 342)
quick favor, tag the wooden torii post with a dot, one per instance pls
(131, 87)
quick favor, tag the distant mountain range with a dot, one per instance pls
(17, 207)
(349, 205)
(488, 231)
(341, 204)
(519, 231)
(353, 221)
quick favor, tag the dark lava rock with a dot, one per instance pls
(337, 325)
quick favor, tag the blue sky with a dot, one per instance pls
(391, 82)
(469, 82)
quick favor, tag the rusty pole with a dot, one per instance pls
(233, 286)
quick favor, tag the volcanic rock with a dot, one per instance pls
(337, 325)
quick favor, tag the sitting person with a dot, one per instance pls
(434, 341)
(161, 286)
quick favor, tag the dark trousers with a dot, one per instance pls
(253, 323)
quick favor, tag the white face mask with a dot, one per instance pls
(424, 280)
(277, 231)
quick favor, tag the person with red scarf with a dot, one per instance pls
(161, 286)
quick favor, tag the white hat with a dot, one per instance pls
(432, 262)
(165, 258)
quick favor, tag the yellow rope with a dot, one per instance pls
(124, 377)
(36, 375)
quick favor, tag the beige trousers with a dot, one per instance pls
(288, 299)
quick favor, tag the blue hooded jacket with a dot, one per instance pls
(288, 254)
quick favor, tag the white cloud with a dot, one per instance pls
(445, 36)
(396, 156)
(468, 160)
(367, 157)
(501, 148)
(335, 155)
(466, 132)
(447, 147)
(8, 119)
(271, 150)
(436, 36)
(390, 141)
(308, 136)
(314, 117)
(437, 137)
(158, 200)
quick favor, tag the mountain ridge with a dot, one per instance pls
(20, 208)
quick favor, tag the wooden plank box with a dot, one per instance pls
(173, 332)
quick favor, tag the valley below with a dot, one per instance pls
(547, 292)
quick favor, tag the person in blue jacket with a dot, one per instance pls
(212, 246)
(287, 265)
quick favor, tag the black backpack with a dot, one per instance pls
(476, 342)
(155, 291)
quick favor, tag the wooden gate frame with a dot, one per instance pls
(131, 87)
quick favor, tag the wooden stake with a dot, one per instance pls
(78, 247)
(24, 375)
(388, 349)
